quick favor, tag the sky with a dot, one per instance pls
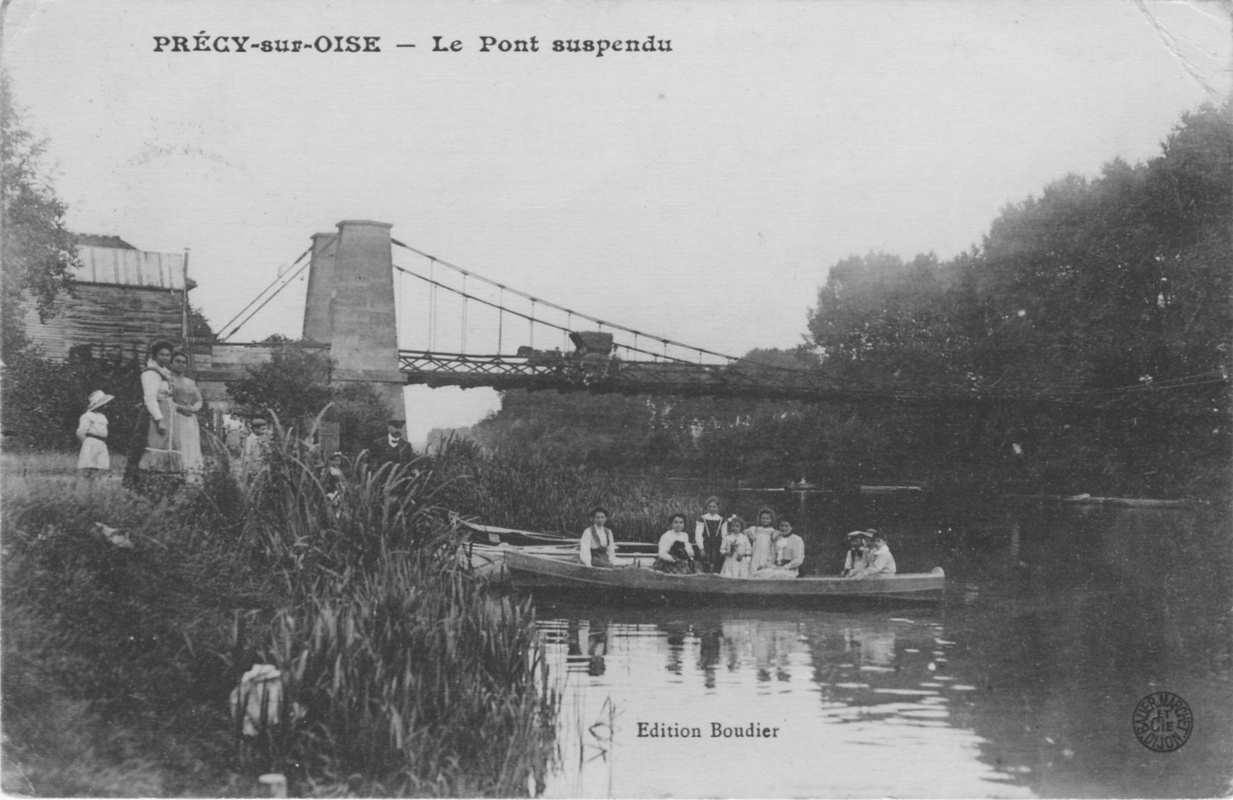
(699, 194)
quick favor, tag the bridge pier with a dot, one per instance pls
(350, 307)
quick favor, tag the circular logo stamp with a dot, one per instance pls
(1162, 722)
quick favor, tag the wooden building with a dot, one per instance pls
(126, 299)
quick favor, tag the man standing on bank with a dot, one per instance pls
(391, 448)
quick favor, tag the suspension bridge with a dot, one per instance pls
(475, 331)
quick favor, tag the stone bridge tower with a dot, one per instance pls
(350, 307)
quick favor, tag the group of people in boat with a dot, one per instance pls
(726, 546)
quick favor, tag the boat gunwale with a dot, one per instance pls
(556, 574)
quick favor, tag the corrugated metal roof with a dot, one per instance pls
(130, 267)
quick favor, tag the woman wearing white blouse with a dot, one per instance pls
(187, 400)
(160, 453)
(597, 547)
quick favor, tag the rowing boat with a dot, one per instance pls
(642, 584)
(488, 545)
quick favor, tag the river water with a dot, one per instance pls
(1056, 622)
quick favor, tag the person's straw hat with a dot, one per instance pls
(99, 398)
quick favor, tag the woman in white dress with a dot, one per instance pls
(92, 433)
(186, 398)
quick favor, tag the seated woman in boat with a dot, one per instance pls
(676, 554)
(597, 547)
(737, 548)
(709, 536)
(881, 562)
(761, 536)
(789, 554)
(858, 552)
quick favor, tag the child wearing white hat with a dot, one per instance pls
(92, 432)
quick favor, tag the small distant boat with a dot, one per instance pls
(640, 584)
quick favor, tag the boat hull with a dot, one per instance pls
(642, 585)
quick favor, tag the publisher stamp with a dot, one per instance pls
(1162, 722)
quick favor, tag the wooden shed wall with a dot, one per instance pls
(109, 316)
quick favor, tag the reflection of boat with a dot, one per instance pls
(639, 584)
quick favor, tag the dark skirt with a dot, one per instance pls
(675, 567)
(599, 558)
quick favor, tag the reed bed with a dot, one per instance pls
(416, 669)
(534, 493)
(402, 674)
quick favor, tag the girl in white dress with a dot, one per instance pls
(762, 535)
(92, 433)
(737, 547)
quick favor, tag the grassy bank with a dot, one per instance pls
(406, 677)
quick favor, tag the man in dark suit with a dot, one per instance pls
(391, 448)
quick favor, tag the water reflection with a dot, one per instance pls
(1021, 684)
(831, 683)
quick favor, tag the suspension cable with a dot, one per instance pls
(556, 307)
(531, 321)
(263, 291)
(432, 309)
(267, 300)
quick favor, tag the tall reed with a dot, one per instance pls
(411, 676)
(417, 679)
(319, 529)
(537, 494)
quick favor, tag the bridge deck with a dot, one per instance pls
(604, 375)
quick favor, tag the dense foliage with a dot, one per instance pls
(37, 253)
(295, 384)
(402, 674)
(41, 400)
(1094, 321)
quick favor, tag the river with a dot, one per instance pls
(1056, 622)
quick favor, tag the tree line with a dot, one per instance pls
(1095, 317)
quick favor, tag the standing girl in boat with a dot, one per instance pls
(597, 548)
(737, 548)
(709, 536)
(789, 554)
(761, 536)
(676, 554)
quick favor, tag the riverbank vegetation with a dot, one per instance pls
(1095, 317)
(399, 673)
(540, 494)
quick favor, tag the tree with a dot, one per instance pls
(37, 252)
(42, 400)
(295, 384)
